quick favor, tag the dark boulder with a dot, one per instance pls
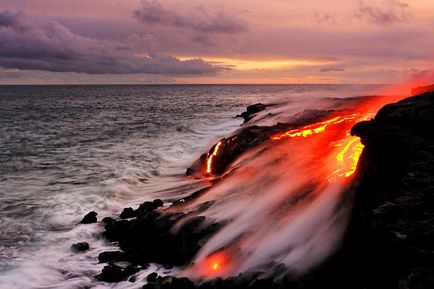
(114, 273)
(107, 220)
(111, 273)
(80, 247)
(169, 282)
(89, 218)
(152, 277)
(111, 256)
(149, 206)
(127, 213)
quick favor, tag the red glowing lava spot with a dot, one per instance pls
(215, 263)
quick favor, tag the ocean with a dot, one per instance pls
(68, 150)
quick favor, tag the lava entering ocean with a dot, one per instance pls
(289, 200)
(211, 156)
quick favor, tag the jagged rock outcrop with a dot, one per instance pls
(251, 111)
(89, 218)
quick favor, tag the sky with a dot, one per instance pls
(215, 41)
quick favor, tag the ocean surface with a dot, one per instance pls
(68, 150)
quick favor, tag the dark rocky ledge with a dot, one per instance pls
(389, 243)
(251, 111)
(393, 223)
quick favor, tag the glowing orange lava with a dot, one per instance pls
(215, 263)
(348, 148)
(347, 158)
(210, 157)
(315, 128)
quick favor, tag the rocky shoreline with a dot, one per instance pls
(390, 240)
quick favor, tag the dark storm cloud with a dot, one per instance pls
(51, 46)
(152, 12)
(391, 12)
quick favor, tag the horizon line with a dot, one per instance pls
(180, 84)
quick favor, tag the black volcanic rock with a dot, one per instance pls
(111, 273)
(111, 256)
(394, 208)
(89, 218)
(80, 247)
(152, 277)
(127, 213)
(169, 282)
(107, 220)
(114, 273)
(251, 111)
(149, 206)
(148, 237)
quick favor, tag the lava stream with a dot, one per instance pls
(211, 156)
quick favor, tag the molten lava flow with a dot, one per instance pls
(349, 147)
(315, 128)
(211, 156)
(347, 158)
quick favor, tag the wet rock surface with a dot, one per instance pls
(80, 247)
(149, 238)
(114, 273)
